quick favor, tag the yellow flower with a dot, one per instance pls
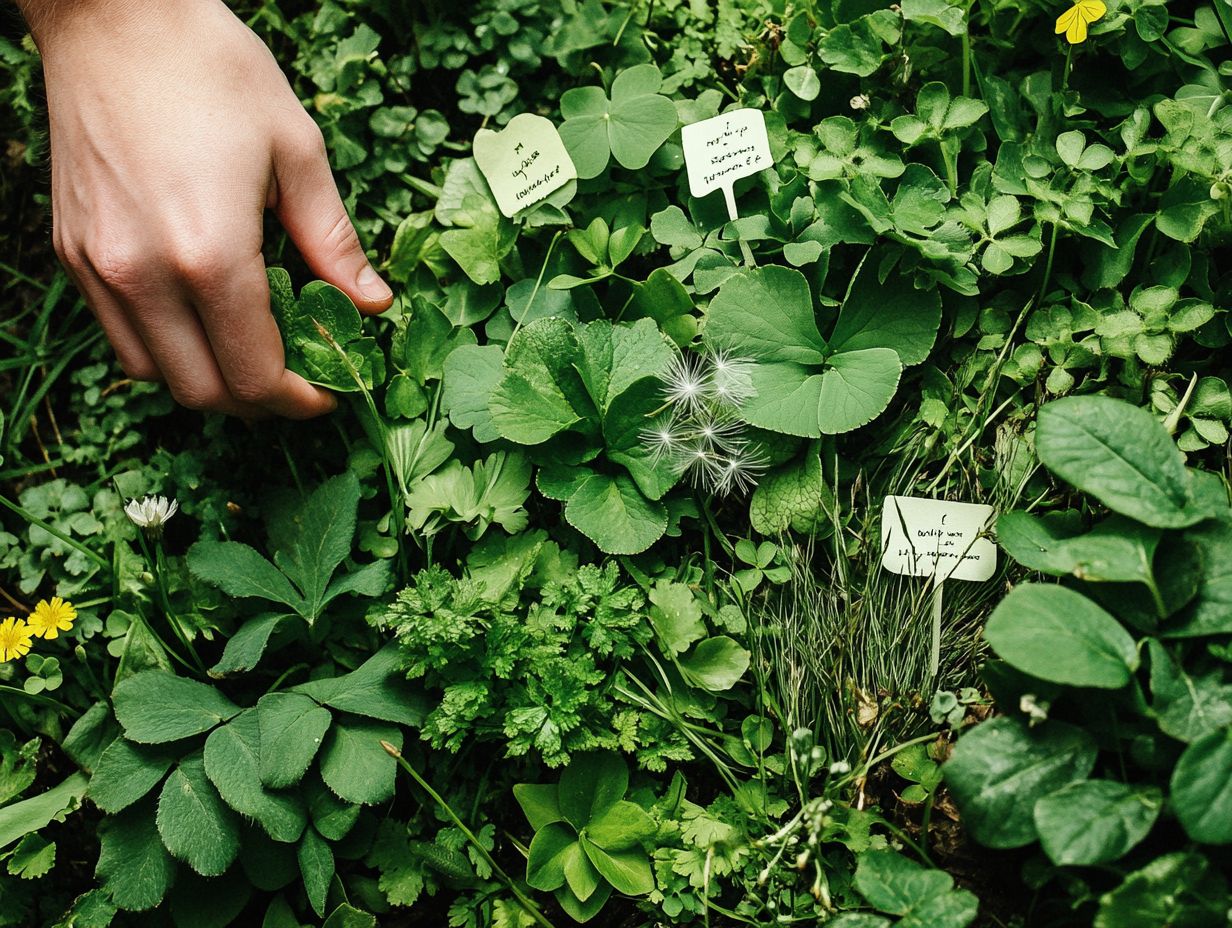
(14, 640)
(50, 618)
(1074, 21)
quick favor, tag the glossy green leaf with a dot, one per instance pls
(1095, 821)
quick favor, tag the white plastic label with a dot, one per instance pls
(524, 162)
(932, 537)
(721, 150)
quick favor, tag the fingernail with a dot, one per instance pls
(371, 285)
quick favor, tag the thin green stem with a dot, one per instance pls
(531, 909)
(36, 697)
(55, 532)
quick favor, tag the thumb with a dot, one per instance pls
(309, 208)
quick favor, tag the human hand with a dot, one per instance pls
(172, 130)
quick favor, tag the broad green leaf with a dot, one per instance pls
(613, 513)
(347, 916)
(539, 393)
(126, 772)
(1056, 634)
(331, 817)
(1181, 889)
(232, 762)
(479, 241)
(545, 863)
(377, 689)
(323, 336)
(581, 911)
(676, 616)
(1095, 821)
(580, 874)
(1119, 454)
(1000, 768)
(353, 763)
(716, 664)
(856, 388)
(1211, 611)
(787, 398)
(1201, 788)
(245, 647)
(591, 785)
(239, 570)
(624, 425)
(614, 357)
(133, 866)
(802, 80)
(471, 374)
(628, 871)
(154, 707)
(538, 802)
(625, 825)
(313, 539)
(195, 824)
(316, 865)
(1117, 550)
(937, 13)
(18, 819)
(925, 898)
(1187, 706)
(795, 496)
(766, 314)
(291, 728)
(894, 314)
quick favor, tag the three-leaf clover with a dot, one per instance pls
(629, 126)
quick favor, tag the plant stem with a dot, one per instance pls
(1052, 250)
(531, 909)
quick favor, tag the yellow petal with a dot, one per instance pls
(1066, 19)
(1091, 10)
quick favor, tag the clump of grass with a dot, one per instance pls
(845, 648)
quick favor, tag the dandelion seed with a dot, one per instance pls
(665, 439)
(152, 513)
(699, 464)
(685, 383)
(50, 618)
(719, 435)
(738, 472)
(14, 640)
(731, 379)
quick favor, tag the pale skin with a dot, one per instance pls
(172, 131)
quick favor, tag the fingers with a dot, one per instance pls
(234, 310)
(311, 211)
(135, 359)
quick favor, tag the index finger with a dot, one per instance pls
(234, 309)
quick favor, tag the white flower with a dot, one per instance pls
(731, 379)
(685, 382)
(860, 101)
(151, 513)
(1035, 709)
(840, 767)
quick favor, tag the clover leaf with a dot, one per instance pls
(629, 126)
(809, 386)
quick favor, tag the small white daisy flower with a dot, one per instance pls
(152, 513)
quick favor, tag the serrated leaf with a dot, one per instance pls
(291, 727)
(126, 772)
(195, 824)
(133, 866)
(353, 763)
(154, 707)
(232, 762)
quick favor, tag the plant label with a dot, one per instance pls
(936, 538)
(721, 150)
(524, 162)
